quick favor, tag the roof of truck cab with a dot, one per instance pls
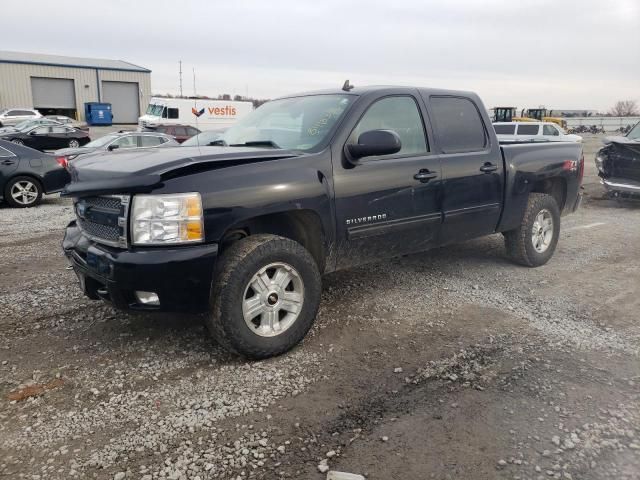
(368, 89)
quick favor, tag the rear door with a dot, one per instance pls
(472, 167)
(8, 164)
(386, 205)
(59, 137)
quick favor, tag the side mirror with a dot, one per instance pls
(33, 132)
(111, 148)
(374, 143)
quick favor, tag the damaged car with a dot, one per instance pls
(618, 164)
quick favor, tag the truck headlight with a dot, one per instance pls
(167, 219)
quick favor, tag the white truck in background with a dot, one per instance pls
(202, 114)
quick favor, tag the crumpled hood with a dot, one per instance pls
(620, 139)
(139, 171)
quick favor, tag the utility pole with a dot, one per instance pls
(194, 82)
(180, 78)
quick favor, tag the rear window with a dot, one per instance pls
(524, 129)
(458, 125)
(5, 153)
(505, 129)
(180, 131)
(151, 141)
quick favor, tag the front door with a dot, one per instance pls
(387, 205)
(38, 138)
(472, 168)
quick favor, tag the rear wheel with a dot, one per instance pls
(533, 243)
(17, 141)
(73, 143)
(22, 192)
(265, 297)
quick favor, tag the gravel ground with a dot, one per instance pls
(454, 363)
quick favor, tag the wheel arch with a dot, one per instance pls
(31, 175)
(554, 186)
(303, 226)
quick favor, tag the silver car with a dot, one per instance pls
(12, 116)
(120, 141)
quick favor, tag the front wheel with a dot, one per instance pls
(532, 244)
(74, 143)
(265, 296)
(22, 192)
(17, 141)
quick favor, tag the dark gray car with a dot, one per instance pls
(120, 141)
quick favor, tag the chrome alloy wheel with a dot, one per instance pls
(542, 231)
(74, 143)
(24, 192)
(273, 299)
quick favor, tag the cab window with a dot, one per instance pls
(505, 129)
(126, 142)
(524, 129)
(399, 114)
(550, 130)
(458, 125)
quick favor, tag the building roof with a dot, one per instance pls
(76, 62)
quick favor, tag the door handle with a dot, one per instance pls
(425, 175)
(488, 167)
(8, 162)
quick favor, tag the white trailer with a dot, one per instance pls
(200, 113)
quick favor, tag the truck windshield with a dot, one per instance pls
(298, 123)
(155, 110)
(634, 134)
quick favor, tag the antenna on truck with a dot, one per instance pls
(346, 86)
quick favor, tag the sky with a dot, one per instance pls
(582, 54)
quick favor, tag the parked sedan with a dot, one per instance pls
(120, 140)
(29, 124)
(179, 132)
(25, 174)
(48, 137)
(68, 121)
(12, 116)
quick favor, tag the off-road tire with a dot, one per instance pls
(235, 268)
(11, 201)
(518, 242)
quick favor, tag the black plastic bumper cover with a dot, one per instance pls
(181, 276)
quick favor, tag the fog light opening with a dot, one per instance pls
(147, 298)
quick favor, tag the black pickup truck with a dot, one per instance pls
(241, 231)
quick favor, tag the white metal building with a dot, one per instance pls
(61, 85)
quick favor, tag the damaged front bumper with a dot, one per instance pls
(619, 187)
(181, 277)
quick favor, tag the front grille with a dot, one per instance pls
(104, 218)
(101, 232)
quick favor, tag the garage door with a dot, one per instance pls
(53, 93)
(124, 100)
